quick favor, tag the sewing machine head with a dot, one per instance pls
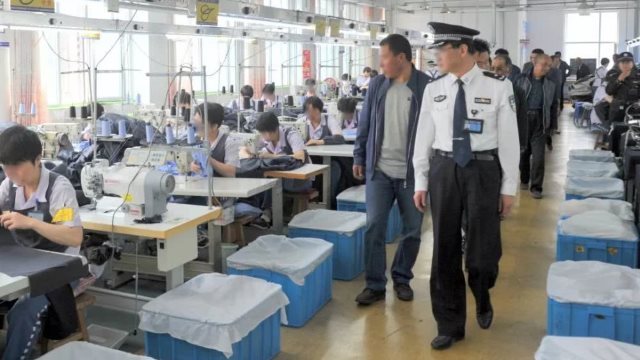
(298, 124)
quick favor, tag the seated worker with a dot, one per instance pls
(269, 97)
(310, 88)
(223, 156)
(623, 85)
(41, 210)
(324, 131)
(238, 104)
(347, 108)
(345, 85)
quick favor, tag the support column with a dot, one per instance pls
(5, 78)
(160, 48)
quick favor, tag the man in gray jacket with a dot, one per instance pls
(542, 111)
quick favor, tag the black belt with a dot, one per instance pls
(489, 155)
(534, 111)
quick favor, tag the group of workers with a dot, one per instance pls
(451, 144)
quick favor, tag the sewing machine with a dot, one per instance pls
(144, 189)
(252, 141)
(298, 124)
(56, 137)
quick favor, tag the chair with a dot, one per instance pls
(234, 232)
(83, 301)
(301, 200)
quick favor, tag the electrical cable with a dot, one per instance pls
(119, 37)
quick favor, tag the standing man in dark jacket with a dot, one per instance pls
(514, 70)
(624, 86)
(384, 149)
(501, 67)
(529, 65)
(541, 108)
(565, 70)
(582, 70)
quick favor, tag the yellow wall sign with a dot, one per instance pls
(207, 12)
(321, 26)
(34, 5)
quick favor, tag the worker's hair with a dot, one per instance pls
(366, 70)
(470, 45)
(347, 105)
(19, 144)
(314, 101)
(215, 113)
(374, 73)
(506, 58)
(502, 51)
(181, 97)
(481, 46)
(247, 91)
(99, 109)
(345, 77)
(267, 122)
(310, 82)
(537, 51)
(398, 44)
(604, 62)
(269, 89)
(558, 53)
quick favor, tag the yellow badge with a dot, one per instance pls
(63, 215)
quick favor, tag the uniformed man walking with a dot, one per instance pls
(467, 160)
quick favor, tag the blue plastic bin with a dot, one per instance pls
(348, 250)
(305, 300)
(569, 319)
(619, 252)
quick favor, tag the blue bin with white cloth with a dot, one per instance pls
(581, 168)
(620, 208)
(587, 187)
(598, 235)
(215, 317)
(594, 299)
(591, 155)
(354, 199)
(344, 229)
(569, 347)
(302, 266)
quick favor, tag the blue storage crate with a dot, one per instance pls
(394, 224)
(304, 301)
(570, 319)
(348, 246)
(263, 343)
(619, 252)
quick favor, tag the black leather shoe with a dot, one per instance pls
(485, 318)
(443, 342)
(369, 296)
(403, 291)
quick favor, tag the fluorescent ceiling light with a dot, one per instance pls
(268, 23)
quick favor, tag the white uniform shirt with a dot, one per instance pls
(489, 99)
(601, 74)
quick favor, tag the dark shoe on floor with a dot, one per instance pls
(485, 319)
(260, 223)
(403, 292)
(557, 132)
(443, 342)
(370, 296)
(536, 194)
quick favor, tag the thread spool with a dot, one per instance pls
(290, 100)
(84, 112)
(231, 89)
(33, 108)
(149, 133)
(21, 108)
(138, 99)
(354, 91)
(260, 106)
(186, 115)
(173, 111)
(191, 135)
(168, 133)
(246, 103)
(364, 92)
(224, 89)
(122, 128)
(105, 128)
(72, 112)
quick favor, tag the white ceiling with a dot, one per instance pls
(420, 5)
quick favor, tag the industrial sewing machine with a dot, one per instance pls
(144, 189)
(299, 124)
(56, 137)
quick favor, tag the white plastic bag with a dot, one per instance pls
(355, 194)
(82, 350)
(344, 222)
(599, 224)
(579, 168)
(609, 188)
(594, 283)
(591, 155)
(295, 258)
(620, 208)
(585, 348)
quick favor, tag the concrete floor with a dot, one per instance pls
(401, 330)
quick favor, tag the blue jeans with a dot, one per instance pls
(381, 192)
(25, 327)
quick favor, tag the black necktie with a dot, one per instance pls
(461, 139)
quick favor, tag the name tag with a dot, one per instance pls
(473, 126)
(485, 101)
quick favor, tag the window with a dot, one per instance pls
(592, 36)
(283, 63)
(328, 61)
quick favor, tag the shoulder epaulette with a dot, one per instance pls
(438, 78)
(494, 75)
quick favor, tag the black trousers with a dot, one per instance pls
(561, 105)
(532, 159)
(472, 192)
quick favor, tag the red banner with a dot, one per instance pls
(306, 64)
